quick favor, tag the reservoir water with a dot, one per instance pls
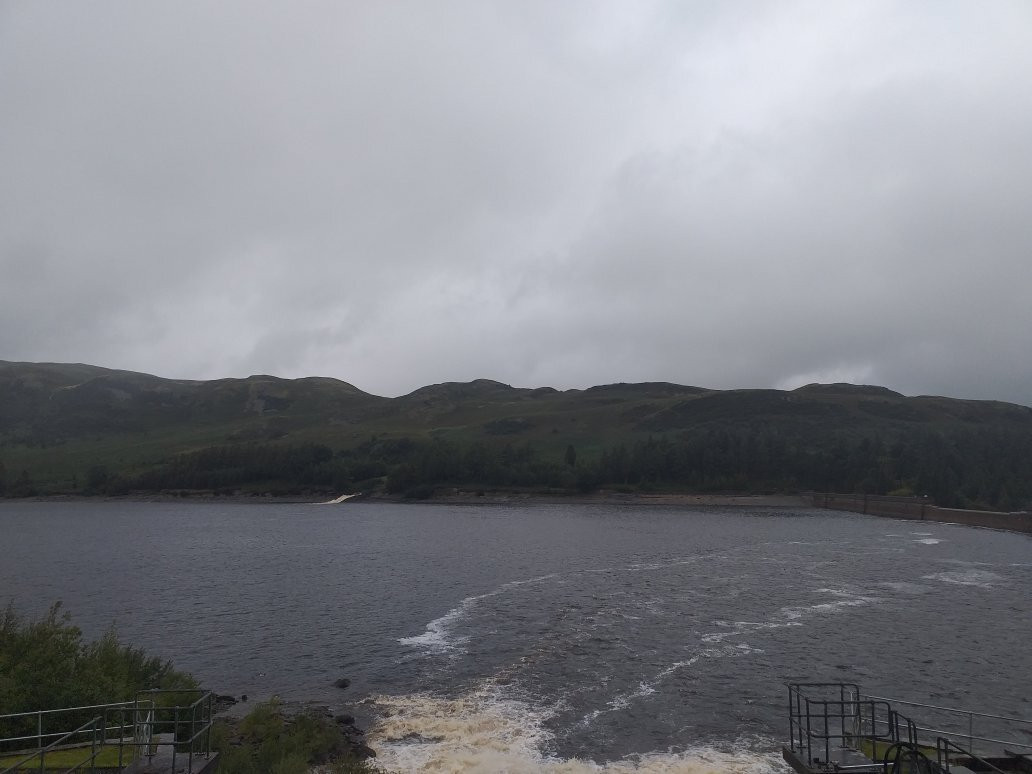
(543, 638)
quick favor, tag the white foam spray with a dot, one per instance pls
(487, 731)
(971, 577)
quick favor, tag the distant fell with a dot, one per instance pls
(843, 388)
(82, 428)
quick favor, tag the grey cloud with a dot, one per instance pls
(723, 194)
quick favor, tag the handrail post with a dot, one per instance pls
(791, 721)
(809, 735)
(193, 725)
(207, 734)
(121, 733)
(103, 727)
(175, 729)
(827, 735)
(39, 739)
(842, 715)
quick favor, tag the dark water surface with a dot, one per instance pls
(566, 638)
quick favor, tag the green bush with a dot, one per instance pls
(268, 740)
(46, 664)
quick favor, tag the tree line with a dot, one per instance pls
(982, 468)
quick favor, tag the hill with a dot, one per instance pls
(80, 429)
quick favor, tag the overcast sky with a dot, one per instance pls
(723, 194)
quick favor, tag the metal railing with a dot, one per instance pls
(42, 716)
(175, 718)
(93, 727)
(835, 727)
(964, 727)
(943, 747)
(826, 724)
(184, 728)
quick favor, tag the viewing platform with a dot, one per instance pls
(836, 728)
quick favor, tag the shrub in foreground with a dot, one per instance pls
(271, 741)
(46, 664)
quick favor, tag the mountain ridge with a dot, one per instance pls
(60, 421)
(476, 385)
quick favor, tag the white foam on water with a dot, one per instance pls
(847, 598)
(650, 566)
(792, 615)
(439, 638)
(487, 731)
(648, 687)
(929, 541)
(971, 577)
(795, 613)
(662, 565)
(676, 666)
(738, 628)
(905, 587)
(623, 700)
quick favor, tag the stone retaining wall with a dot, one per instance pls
(920, 508)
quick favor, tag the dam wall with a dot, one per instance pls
(921, 509)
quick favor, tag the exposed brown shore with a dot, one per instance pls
(464, 497)
(461, 497)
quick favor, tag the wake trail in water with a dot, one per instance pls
(785, 617)
(648, 687)
(438, 637)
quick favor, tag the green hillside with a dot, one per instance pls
(80, 429)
